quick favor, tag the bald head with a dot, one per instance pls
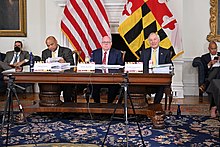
(106, 43)
(213, 48)
(51, 43)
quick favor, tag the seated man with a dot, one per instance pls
(158, 55)
(109, 56)
(213, 91)
(16, 58)
(55, 50)
(208, 60)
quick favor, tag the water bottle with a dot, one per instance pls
(31, 62)
(178, 111)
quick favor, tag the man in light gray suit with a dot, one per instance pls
(17, 57)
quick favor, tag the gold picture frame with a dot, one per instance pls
(214, 34)
(13, 18)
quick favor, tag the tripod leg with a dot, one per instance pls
(116, 106)
(126, 111)
(139, 129)
(4, 114)
(9, 114)
(22, 112)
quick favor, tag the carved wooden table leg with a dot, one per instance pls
(49, 94)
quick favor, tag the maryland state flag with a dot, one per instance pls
(142, 17)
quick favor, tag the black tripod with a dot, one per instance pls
(9, 117)
(124, 89)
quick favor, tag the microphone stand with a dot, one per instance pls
(124, 89)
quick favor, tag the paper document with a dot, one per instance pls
(217, 64)
(50, 60)
(162, 68)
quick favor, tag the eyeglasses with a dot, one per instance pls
(105, 42)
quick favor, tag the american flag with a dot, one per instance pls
(84, 23)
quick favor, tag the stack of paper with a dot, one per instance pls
(55, 66)
(162, 68)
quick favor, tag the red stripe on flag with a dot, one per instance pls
(86, 22)
(84, 36)
(96, 19)
(72, 38)
(102, 10)
(78, 29)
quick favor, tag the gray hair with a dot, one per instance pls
(153, 33)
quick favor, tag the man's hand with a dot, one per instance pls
(212, 62)
(19, 63)
(61, 60)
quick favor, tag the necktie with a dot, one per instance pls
(16, 58)
(154, 59)
(104, 62)
(104, 58)
(53, 54)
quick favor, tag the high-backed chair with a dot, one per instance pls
(197, 62)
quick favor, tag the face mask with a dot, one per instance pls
(17, 49)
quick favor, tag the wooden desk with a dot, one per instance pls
(48, 79)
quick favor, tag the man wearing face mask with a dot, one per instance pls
(15, 58)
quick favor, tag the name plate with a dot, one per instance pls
(86, 68)
(133, 67)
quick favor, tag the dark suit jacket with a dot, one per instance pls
(114, 58)
(206, 58)
(63, 52)
(164, 56)
(10, 54)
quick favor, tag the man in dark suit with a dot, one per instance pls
(57, 50)
(208, 60)
(157, 55)
(54, 50)
(108, 56)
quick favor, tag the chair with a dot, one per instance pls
(197, 62)
(123, 55)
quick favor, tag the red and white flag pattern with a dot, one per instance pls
(84, 23)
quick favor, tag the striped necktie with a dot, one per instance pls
(16, 58)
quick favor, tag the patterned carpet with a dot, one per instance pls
(79, 130)
(57, 145)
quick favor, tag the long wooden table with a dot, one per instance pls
(52, 79)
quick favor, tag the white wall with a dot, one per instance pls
(43, 19)
(35, 29)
